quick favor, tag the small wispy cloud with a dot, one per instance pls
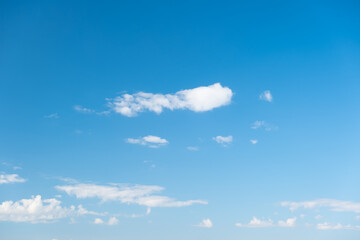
(85, 110)
(150, 141)
(53, 115)
(191, 148)
(331, 204)
(225, 141)
(82, 109)
(144, 195)
(262, 124)
(11, 178)
(205, 223)
(266, 96)
(254, 141)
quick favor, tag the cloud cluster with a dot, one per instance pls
(137, 194)
(10, 178)
(223, 140)
(338, 226)
(257, 223)
(150, 141)
(266, 96)
(206, 223)
(198, 99)
(37, 210)
(332, 204)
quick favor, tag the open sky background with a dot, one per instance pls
(286, 75)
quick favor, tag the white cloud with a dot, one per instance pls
(198, 99)
(36, 210)
(113, 221)
(290, 222)
(135, 194)
(317, 217)
(266, 96)
(256, 223)
(262, 124)
(191, 148)
(223, 140)
(83, 109)
(206, 223)
(254, 141)
(338, 226)
(98, 221)
(53, 115)
(357, 217)
(332, 204)
(10, 178)
(150, 141)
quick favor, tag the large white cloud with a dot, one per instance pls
(10, 178)
(198, 99)
(332, 204)
(135, 194)
(36, 210)
(150, 141)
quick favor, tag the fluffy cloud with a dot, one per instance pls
(112, 221)
(266, 96)
(206, 223)
(10, 178)
(223, 140)
(137, 194)
(338, 226)
(257, 223)
(37, 210)
(332, 204)
(98, 221)
(290, 222)
(150, 141)
(198, 99)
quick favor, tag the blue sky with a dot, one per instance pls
(179, 120)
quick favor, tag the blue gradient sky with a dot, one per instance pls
(55, 55)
